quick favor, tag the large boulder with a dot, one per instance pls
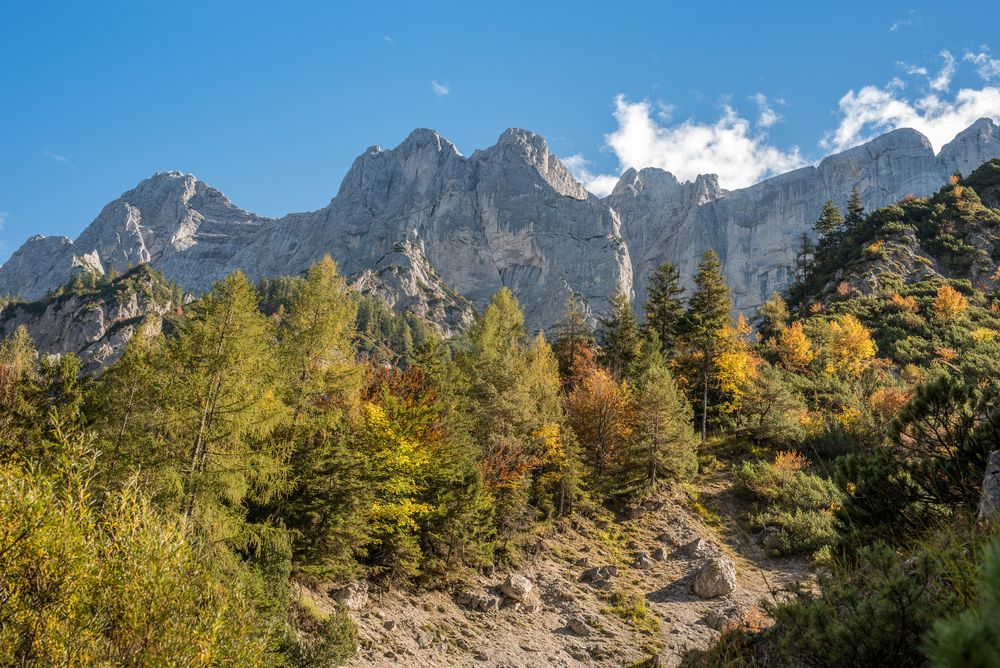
(717, 577)
(353, 596)
(516, 587)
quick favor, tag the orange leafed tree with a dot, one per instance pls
(949, 303)
(601, 414)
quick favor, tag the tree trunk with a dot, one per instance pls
(704, 407)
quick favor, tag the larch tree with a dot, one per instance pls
(222, 408)
(600, 411)
(327, 498)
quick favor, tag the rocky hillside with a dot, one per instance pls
(610, 592)
(510, 215)
(96, 321)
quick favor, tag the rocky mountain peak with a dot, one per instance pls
(517, 145)
(972, 147)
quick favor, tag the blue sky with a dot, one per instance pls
(271, 102)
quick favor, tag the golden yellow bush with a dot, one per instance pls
(949, 303)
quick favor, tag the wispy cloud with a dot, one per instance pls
(440, 88)
(55, 157)
(387, 39)
(911, 20)
(3, 219)
(943, 79)
(768, 116)
(987, 67)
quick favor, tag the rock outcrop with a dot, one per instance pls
(94, 323)
(433, 231)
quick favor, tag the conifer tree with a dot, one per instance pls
(574, 341)
(19, 391)
(664, 310)
(509, 395)
(619, 336)
(222, 408)
(855, 217)
(830, 221)
(804, 257)
(707, 315)
(665, 440)
(327, 494)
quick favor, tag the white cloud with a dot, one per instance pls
(61, 159)
(387, 39)
(731, 147)
(943, 79)
(872, 110)
(440, 88)
(987, 67)
(3, 219)
(599, 184)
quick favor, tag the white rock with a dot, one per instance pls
(717, 577)
(516, 587)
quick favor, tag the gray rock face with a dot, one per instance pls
(94, 326)
(433, 231)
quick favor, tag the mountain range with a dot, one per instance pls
(433, 231)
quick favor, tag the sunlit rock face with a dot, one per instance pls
(455, 229)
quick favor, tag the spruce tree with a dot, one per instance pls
(707, 315)
(574, 341)
(619, 336)
(829, 223)
(664, 310)
(855, 212)
(804, 257)
(665, 443)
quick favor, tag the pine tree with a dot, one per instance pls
(664, 310)
(707, 315)
(619, 336)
